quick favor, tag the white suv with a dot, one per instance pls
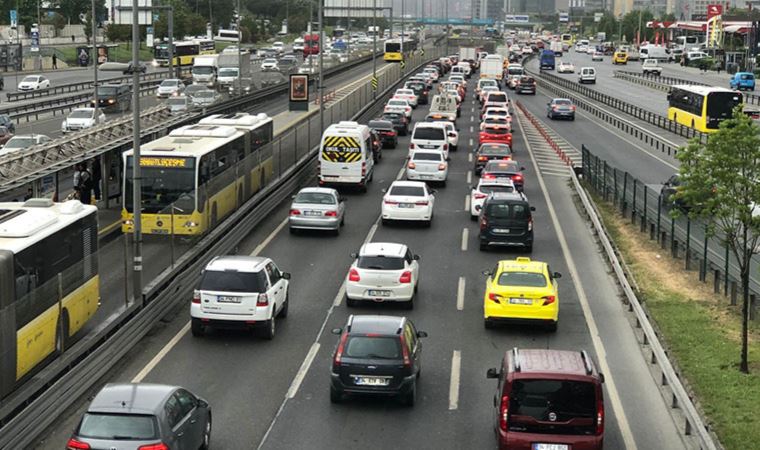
(383, 272)
(240, 292)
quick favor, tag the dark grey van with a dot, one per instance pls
(113, 97)
(506, 220)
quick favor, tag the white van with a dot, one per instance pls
(587, 75)
(430, 136)
(658, 52)
(345, 155)
(445, 105)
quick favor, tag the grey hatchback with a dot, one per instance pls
(144, 416)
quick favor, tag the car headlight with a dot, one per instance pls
(128, 222)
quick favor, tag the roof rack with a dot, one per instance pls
(587, 362)
(516, 359)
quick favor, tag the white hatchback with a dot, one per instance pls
(383, 272)
(479, 193)
(408, 201)
(408, 95)
(399, 105)
(427, 165)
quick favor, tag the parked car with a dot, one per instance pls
(317, 208)
(33, 83)
(144, 416)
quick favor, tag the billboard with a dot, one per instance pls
(359, 8)
(509, 18)
(714, 10)
(564, 17)
(121, 12)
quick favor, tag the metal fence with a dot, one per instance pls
(684, 238)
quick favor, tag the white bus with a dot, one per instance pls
(49, 283)
(227, 35)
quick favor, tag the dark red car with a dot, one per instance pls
(495, 133)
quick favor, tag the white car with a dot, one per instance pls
(22, 141)
(246, 292)
(82, 118)
(33, 83)
(454, 93)
(427, 165)
(433, 73)
(452, 135)
(459, 79)
(399, 105)
(279, 47)
(179, 103)
(269, 64)
(408, 201)
(479, 193)
(408, 95)
(499, 111)
(383, 272)
(169, 87)
(527, 50)
(206, 97)
(597, 56)
(565, 67)
(493, 119)
(590, 50)
(485, 90)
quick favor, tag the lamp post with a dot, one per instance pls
(374, 46)
(240, 58)
(94, 61)
(321, 66)
(137, 186)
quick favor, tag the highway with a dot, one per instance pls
(274, 394)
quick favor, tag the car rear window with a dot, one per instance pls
(372, 347)
(490, 189)
(380, 263)
(562, 102)
(498, 97)
(747, 76)
(429, 133)
(420, 156)
(233, 281)
(553, 400)
(412, 191)
(316, 198)
(515, 211)
(490, 130)
(118, 427)
(527, 279)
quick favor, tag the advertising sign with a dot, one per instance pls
(509, 18)
(714, 10)
(564, 17)
(299, 92)
(35, 39)
(149, 37)
(14, 19)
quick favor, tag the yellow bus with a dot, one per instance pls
(206, 46)
(183, 55)
(567, 38)
(199, 174)
(702, 107)
(49, 284)
(393, 51)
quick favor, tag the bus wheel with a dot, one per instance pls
(62, 333)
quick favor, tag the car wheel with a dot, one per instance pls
(335, 395)
(206, 444)
(409, 398)
(487, 324)
(529, 249)
(269, 330)
(429, 223)
(572, 118)
(552, 327)
(284, 311)
(293, 230)
(473, 218)
(384, 222)
(483, 246)
(197, 328)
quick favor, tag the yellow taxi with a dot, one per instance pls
(620, 58)
(521, 291)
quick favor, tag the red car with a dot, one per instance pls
(5, 135)
(495, 133)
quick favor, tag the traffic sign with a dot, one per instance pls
(14, 19)
(422, 52)
(374, 83)
(403, 64)
(35, 39)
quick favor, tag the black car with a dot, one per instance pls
(399, 121)
(505, 169)
(386, 132)
(560, 108)
(420, 89)
(114, 97)
(377, 355)
(7, 122)
(668, 193)
(526, 85)
(490, 152)
(506, 219)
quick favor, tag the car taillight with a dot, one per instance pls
(331, 213)
(411, 165)
(405, 277)
(405, 352)
(74, 444)
(390, 202)
(482, 158)
(411, 146)
(159, 446)
(572, 108)
(421, 203)
(495, 297)
(197, 297)
(441, 166)
(503, 412)
(364, 168)
(263, 300)
(445, 146)
(480, 195)
(555, 108)
(488, 176)
(483, 224)
(339, 351)
(549, 299)
(530, 224)
(295, 212)
(353, 275)
(599, 415)
(517, 177)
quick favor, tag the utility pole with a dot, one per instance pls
(137, 181)
(170, 30)
(446, 9)
(94, 60)
(321, 47)
(374, 46)
(240, 57)
(403, 50)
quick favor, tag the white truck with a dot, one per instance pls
(556, 47)
(468, 54)
(492, 66)
(204, 70)
(229, 71)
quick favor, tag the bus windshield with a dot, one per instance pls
(163, 185)
(720, 105)
(203, 70)
(161, 52)
(393, 47)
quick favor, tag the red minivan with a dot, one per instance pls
(548, 400)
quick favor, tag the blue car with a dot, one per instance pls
(743, 80)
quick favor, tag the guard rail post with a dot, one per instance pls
(623, 202)
(703, 266)
(643, 226)
(673, 241)
(633, 203)
(725, 271)
(687, 256)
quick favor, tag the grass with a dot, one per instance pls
(701, 331)
(120, 53)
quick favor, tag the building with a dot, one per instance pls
(492, 9)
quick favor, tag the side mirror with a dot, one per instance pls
(532, 208)
(354, 255)
(492, 373)
(337, 331)
(422, 334)
(416, 257)
(286, 275)
(486, 273)
(293, 197)
(601, 377)
(557, 275)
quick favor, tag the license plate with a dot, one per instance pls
(501, 230)
(227, 299)
(406, 205)
(378, 293)
(429, 146)
(312, 213)
(426, 177)
(371, 381)
(520, 301)
(550, 447)
(329, 177)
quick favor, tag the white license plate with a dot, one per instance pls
(520, 301)
(371, 381)
(312, 213)
(378, 293)
(501, 230)
(406, 205)
(550, 447)
(227, 299)
(426, 177)
(329, 177)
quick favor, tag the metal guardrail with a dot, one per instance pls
(664, 83)
(640, 113)
(79, 369)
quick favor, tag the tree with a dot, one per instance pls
(70, 9)
(720, 184)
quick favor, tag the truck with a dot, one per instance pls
(492, 66)
(469, 54)
(546, 60)
(556, 47)
(310, 44)
(228, 70)
(204, 70)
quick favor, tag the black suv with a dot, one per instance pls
(114, 97)
(506, 219)
(377, 355)
(420, 88)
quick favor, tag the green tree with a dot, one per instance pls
(720, 183)
(56, 20)
(70, 9)
(609, 25)
(186, 22)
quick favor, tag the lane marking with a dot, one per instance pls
(303, 369)
(469, 178)
(469, 155)
(269, 238)
(467, 203)
(460, 294)
(472, 119)
(161, 354)
(614, 395)
(472, 129)
(108, 228)
(472, 142)
(341, 293)
(456, 362)
(465, 238)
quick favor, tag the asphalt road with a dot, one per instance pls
(268, 395)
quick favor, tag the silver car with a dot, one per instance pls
(316, 208)
(428, 165)
(179, 104)
(205, 98)
(132, 416)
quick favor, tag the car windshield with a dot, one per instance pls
(409, 191)
(169, 83)
(553, 400)
(380, 126)
(527, 279)
(429, 133)
(203, 70)
(30, 80)
(166, 181)
(487, 189)
(747, 76)
(233, 281)
(495, 150)
(497, 131)
(19, 142)
(562, 102)
(380, 262)
(428, 156)
(497, 97)
(205, 94)
(228, 72)
(118, 427)
(316, 198)
(176, 101)
(270, 61)
(397, 103)
(372, 347)
(107, 91)
(81, 114)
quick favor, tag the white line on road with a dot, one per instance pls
(472, 129)
(472, 142)
(472, 118)
(465, 238)
(469, 155)
(467, 203)
(456, 363)
(160, 355)
(303, 370)
(341, 293)
(460, 294)
(469, 177)
(269, 238)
